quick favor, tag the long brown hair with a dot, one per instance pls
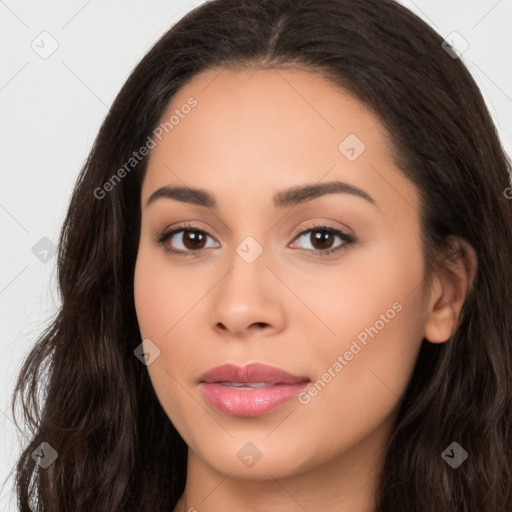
(84, 392)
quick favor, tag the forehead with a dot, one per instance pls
(270, 129)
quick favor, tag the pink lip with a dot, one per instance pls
(244, 401)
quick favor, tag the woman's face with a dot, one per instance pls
(251, 285)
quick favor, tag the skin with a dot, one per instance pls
(254, 133)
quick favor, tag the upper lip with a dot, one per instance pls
(253, 372)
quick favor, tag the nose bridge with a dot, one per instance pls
(248, 267)
(246, 295)
(249, 250)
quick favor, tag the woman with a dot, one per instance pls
(334, 331)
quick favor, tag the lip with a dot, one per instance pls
(253, 372)
(280, 387)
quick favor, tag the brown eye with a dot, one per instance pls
(189, 240)
(192, 240)
(185, 240)
(322, 238)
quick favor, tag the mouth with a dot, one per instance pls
(250, 390)
(249, 385)
(253, 373)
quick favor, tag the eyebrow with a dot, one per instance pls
(283, 199)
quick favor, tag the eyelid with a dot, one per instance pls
(321, 224)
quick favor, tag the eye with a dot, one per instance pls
(192, 239)
(321, 237)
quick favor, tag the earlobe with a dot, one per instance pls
(451, 286)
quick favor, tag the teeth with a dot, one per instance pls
(246, 384)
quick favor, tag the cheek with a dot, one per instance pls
(150, 303)
(360, 378)
(167, 302)
(158, 303)
(365, 291)
(363, 371)
(163, 292)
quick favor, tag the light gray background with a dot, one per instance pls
(51, 109)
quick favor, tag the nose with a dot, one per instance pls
(249, 300)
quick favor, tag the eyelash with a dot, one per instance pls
(347, 239)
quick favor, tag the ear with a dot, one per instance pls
(448, 293)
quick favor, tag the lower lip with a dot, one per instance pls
(249, 402)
